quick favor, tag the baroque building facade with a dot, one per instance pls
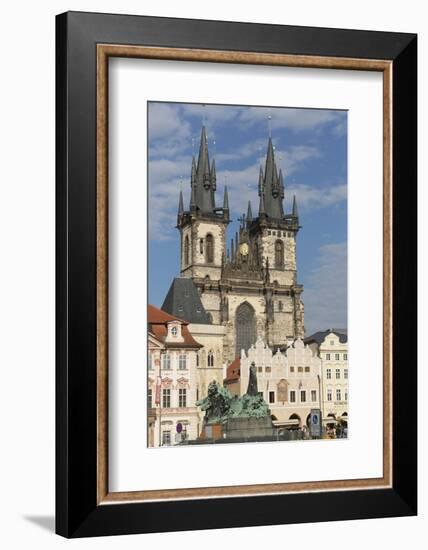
(332, 347)
(172, 383)
(250, 288)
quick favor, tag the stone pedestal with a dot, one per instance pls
(249, 428)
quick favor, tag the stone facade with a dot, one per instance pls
(251, 287)
(289, 381)
(209, 361)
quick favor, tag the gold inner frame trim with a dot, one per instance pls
(104, 51)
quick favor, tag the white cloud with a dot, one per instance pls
(325, 294)
(314, 198)
(164, 188)
(211, 114)
(165, 122)
(295, 120)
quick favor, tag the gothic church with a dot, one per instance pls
(251, 286)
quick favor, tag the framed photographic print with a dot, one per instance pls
(236, 274)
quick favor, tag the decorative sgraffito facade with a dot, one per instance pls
(290, 381)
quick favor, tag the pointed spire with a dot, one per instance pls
(203, 159)
(295, 213)
(262, 204)
(193, 173)
(180, 204)
(270, 186)
(193, 199)
(249, 213)
(281, 185)
(225, 199)
(260, 181)
(270, 162)
(213, 175)
(204, 178)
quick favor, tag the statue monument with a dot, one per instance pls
(242, 418)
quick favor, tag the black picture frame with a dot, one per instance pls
(77, 511)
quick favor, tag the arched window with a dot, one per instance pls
(279, 254)
(210, 358)
(186, 250)
(209, 249)
(245, 326)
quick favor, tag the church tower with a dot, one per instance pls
(251, 288)
(203, 231)
(259, 283)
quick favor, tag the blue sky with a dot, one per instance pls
(310, 147)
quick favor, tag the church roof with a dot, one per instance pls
(182, 300)
(319, 337)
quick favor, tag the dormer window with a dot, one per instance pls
(175, 332)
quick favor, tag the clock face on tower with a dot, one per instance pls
(243, 249)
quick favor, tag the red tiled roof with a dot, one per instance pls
(233, 371)
(158, 321)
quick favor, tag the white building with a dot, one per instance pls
(290, 382)
(172, 380)
(332, 348)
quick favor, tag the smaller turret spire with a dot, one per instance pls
(213, 176)
(261, 181)
(192, 199)
(295, 213)
(180, 204)
(262, 204)
(225, 199)
(193, 173)
(249, 213)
